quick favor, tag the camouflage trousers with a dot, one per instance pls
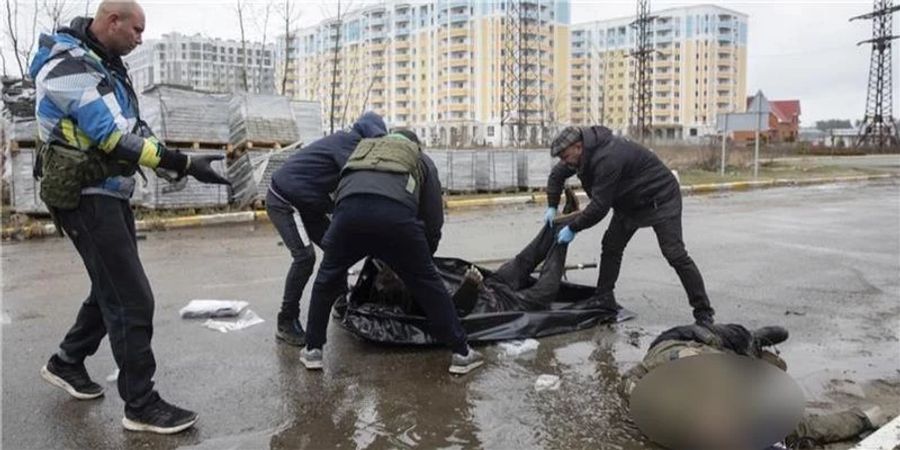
(812, 430)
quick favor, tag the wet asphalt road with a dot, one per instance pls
(823, 261)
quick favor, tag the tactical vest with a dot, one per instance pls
(65, 170)
(392, 154)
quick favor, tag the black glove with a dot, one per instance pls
(199, 167)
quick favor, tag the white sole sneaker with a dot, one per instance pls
(137, 426)
(62, 384)
(462, 370)
(311, 365)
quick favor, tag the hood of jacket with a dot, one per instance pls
(77, 34)
(370, 125)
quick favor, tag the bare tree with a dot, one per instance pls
(239, 7)
(20, 42)
(3, 59)
(290, 15)
(349, 90)
(87, 8)
(12, 31)
(58, 12)
(265, 13)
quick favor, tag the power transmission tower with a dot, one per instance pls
(642, 78)
(521, 94)
(878, 129)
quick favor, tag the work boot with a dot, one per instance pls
(607, 301)
(768, 336)
(703, 318)
(291, 333)
(159, 417)
(463, 364)
(311, 358)
(72, 378)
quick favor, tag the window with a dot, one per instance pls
(490, 131)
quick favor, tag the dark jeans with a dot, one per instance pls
(120, 302)
(371, 225)
(668, 233)
(316, 223)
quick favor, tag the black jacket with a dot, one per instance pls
(620, 174)
(428, 207)
(309, 177)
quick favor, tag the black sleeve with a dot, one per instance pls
(556, 182)
(606, 175)
(431, 204)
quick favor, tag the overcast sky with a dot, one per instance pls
(802, 50)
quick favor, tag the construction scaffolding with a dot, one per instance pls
(522, 98)
(878, 129)
(642, 78)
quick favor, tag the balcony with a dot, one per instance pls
(458, 107)
(401, 84)
(458, 76)
(459, 32)
(402, 58)
(459, 48)
(459, 92)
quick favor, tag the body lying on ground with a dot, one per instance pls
(694, 340)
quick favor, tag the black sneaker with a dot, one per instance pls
(72, 378)
(159, 417)
(291, 333)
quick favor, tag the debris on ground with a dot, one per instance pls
(518, 347)
(204, 309)
(547, 382)
(246, 319)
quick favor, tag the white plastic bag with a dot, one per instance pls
(202, 309)
(512, 349)
(546, 382)
(247, 318)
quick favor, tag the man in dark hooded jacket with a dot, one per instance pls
(629, 178)
(305, 183)
(389, 207)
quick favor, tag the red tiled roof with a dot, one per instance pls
(785, 110)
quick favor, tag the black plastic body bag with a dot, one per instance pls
(510, 303)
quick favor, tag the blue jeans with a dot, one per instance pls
(303, 255)
(376, 226)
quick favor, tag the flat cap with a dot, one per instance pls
(568, 136)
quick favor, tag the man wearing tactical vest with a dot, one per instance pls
(305, 184)
(388, 206)
(94, 141)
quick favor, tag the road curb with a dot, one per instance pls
(171, 223)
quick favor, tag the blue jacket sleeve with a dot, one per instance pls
(87, 96)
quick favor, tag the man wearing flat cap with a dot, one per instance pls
(642, 192)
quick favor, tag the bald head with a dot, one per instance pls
(118, 25)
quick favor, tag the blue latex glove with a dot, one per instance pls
(565, 235)
(549, 215)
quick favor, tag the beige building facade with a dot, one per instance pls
(436, 67)
(699, 70)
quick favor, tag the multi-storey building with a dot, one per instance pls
(699, 69)
(437, 67)
(203, 63)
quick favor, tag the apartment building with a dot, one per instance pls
(203, 63)
(434, 66)
(699, 70)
